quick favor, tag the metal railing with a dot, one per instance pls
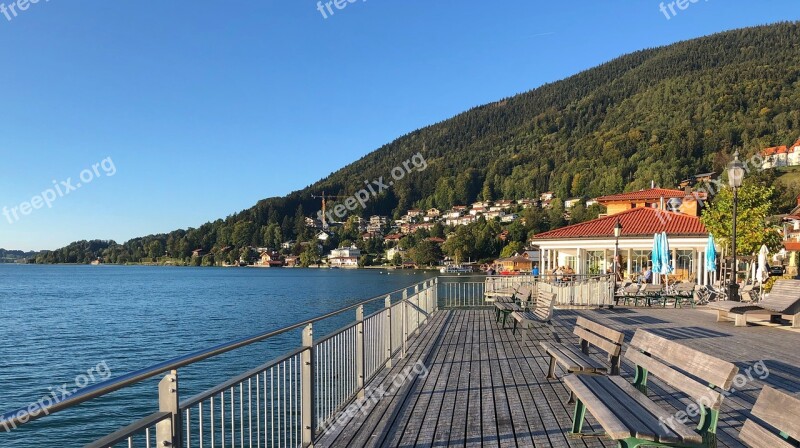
(480, 291)
(586, 291)
(285, 402)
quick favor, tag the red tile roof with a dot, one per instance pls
(775, 150)
(792, 246)
(636, 222)
(651, 193)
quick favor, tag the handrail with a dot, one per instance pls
(122, 434)
(26, 414)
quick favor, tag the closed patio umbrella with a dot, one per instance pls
(655, 256)
(665, 267)
(762, 274)
(711, 254)
(666, 255)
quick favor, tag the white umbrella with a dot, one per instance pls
(761, 274)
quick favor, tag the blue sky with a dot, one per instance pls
(206, 107)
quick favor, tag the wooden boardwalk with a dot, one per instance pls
(482, 386)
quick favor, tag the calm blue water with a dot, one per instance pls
(60, 321)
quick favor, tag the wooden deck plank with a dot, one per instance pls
(414, 423)
(360, 429)
(505, 392)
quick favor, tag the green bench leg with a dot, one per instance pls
(514, 331)
(505, 316)
(578, 417)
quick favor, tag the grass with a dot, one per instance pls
(788, 175)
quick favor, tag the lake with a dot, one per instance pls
(77, 324)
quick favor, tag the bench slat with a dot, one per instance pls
(640, 423)
(572, 358)
(675, 379)
(779, 410)
(612, 335)
(756, 436)
(677, 427)
(610, 423)
(603, 344)
(706, 367)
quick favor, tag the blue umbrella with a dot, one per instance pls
(711, 255)
(666, 255)
(655, 257)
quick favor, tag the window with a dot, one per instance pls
(640, 260)
(595, 262)
(684, 263)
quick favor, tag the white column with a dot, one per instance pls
(674, 258)
(630, 259)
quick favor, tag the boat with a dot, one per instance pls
(457, 269)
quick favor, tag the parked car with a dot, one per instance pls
(777, 271)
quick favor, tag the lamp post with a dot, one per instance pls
(617, 233)
(735, 177)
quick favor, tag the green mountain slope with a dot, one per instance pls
(658, 115)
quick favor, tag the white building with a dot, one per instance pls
(588, 248)
(569, 203)
(344, 257)
(509, 218)
(779, 156)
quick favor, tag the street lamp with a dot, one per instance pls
(617, 233)
(735, 177)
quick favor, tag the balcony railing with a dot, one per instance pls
(284, 402)
(480, 291)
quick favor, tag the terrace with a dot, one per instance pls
(431, 367)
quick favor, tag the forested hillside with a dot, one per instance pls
(655, 115)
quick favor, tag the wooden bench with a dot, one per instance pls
(628, 292)
(540, 315)
(629, 416)
(782, 413)
(784, 299)
(576, 359)
(518, 301)
(649, 293)
(683, 291)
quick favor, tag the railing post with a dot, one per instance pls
(360, 351)
(388, 340)
(405, 321)
(307, 387)
(169, 432)
(436, 294)
(416, 310)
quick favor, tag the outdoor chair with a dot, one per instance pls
(683, 292)
(784, 299)
(650, 293)
(629, 293)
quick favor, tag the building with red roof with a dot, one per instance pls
(588, 248)
(778, 156)
(683, 201)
